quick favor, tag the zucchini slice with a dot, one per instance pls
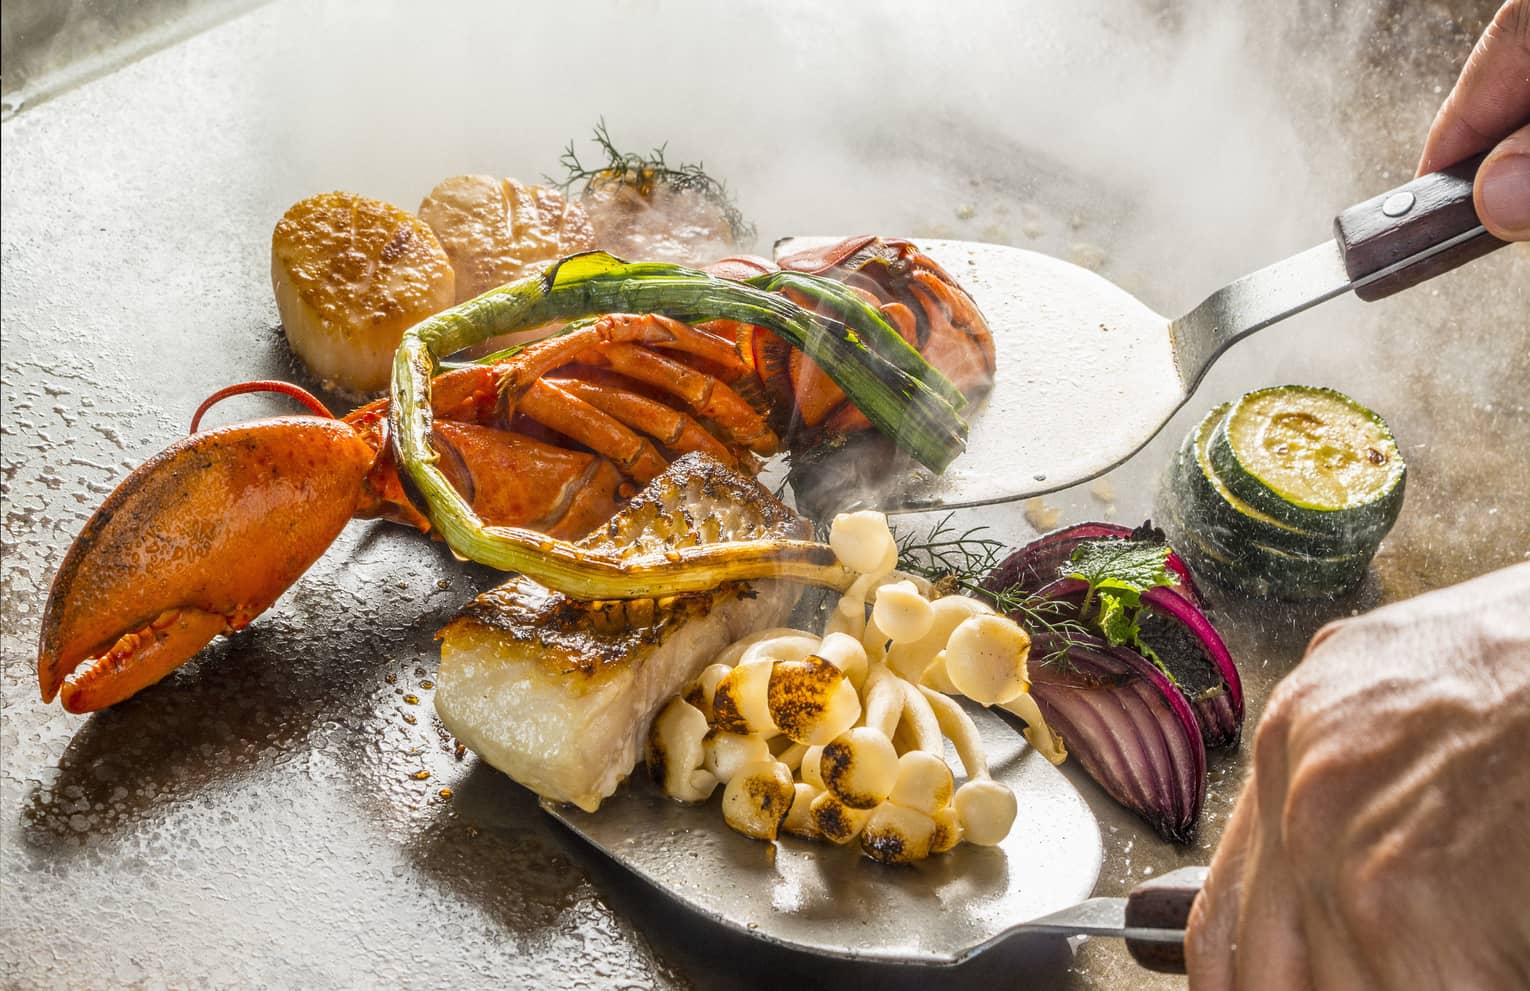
(1313, 459)
(1212, 506)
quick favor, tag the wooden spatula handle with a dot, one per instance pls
(1412, 218)
(1163, 903)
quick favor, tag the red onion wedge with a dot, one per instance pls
(1098, 695)
(1129, 727)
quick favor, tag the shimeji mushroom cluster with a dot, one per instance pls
(842, 736)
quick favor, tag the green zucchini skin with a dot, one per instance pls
(1227, 518)
(1257, 569)
(1352, 525)
(1266, 546)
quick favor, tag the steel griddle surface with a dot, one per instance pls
(277, 812)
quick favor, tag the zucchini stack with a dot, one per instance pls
(1286, 492)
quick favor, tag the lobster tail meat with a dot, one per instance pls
(509, 476)
(195, 542)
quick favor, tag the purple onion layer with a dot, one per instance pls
(1129, 727)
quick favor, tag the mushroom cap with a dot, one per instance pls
(703, 688)
(902, 613)
(836, 821)
(846, 653)
(790, 647)
(948, 830)
(730, 654)
(811, 700)
(725, 754)
(925, 783)
(911, 660)
(897, 835)
(741, 702)
(860, 767)
(675, 752)
(758, 797)
(863, 542)
(985, 659)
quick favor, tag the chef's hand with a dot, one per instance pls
(1489, 101)
(1383, 839)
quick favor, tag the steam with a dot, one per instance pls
(838, 118)
(1173, 147)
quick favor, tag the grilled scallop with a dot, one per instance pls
(498, 230)
(351, 274)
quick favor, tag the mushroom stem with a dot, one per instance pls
(874, 641)
(792, 756)
(919, 716)
(1037, 733)
(962, 732)
(884, 700)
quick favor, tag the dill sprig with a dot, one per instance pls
(645, 173)
(956, 562)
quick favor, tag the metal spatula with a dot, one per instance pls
(1087, 374)
(831, 901)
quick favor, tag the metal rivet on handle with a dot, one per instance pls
(1398, 204)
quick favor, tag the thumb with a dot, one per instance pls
(1502, 194)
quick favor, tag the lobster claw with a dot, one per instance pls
(197, 541)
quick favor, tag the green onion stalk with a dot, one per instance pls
(901, 405)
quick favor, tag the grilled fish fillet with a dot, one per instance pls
(559, 693)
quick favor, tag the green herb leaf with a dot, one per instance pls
(1118, 572)
(1127, 565)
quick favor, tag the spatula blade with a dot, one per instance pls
(1085, 377)
(831, 900)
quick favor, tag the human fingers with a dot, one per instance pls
(1502, 194)
(1491, 98)
(1271, 948)
(1212, 930)
(1272, 945)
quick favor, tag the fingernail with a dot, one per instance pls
(1505, 195)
